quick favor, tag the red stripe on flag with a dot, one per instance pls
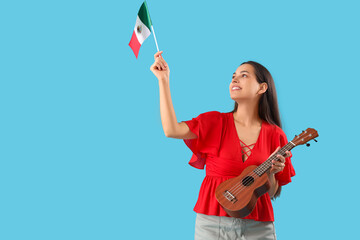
(134, 44)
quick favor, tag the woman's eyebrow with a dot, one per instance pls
(241, 72)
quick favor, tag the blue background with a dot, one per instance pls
(83, 154)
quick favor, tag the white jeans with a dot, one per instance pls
(228, 228)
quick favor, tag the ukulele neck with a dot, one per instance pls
(260, 170)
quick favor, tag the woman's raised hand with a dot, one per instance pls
(160, 68)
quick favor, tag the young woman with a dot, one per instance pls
(229, 142)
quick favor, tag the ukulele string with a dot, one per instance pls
(237, 188)
(252, 177)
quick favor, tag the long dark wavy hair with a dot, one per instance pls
(268, 104)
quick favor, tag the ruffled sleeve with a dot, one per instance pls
(283, 177)
(207, 127)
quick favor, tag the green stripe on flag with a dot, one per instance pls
(145, 16)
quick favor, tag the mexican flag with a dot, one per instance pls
(142, 29)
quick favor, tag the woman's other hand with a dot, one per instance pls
(278, 165)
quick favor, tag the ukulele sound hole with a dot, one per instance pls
(247, 181)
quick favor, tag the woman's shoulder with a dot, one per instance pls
(273, 128)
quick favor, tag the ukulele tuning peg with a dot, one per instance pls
(308, 144)
(315, 140)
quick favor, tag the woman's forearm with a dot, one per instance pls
(167, 112)
(273, 185)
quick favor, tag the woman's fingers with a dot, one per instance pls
(277, 149)
(161, 62)
(279, 164)
(158, 59)
(277, 167)
(155, 67)
(158, 54)
(158, 66)
(281, 158)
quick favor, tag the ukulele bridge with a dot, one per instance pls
(230, 197)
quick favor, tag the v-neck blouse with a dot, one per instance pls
(217, 148)
(240, 141)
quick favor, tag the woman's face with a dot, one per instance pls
(244, 84)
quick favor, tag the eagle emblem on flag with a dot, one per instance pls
(139, 28)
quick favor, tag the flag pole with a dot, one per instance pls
(157, 47)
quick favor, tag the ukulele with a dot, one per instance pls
(238, 195)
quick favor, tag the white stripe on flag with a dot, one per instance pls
(145, 32)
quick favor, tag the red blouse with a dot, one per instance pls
(217, 147)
